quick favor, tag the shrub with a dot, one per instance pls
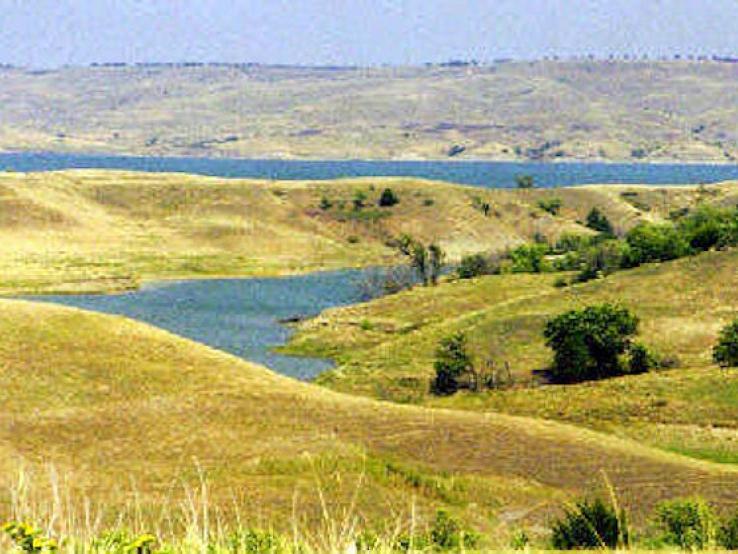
(651, 242)
(359, 200)
(325, 203)
(642, 360)
(436, 261)
(687, 523)
(550, 205)
(524, 181)
(597, 221)
(709, 226)
(452, 361)
(725, 352)
(474, 265)
(529, 258)
(728, 533)
(602, 259)
(569, 242)
(388, 198)
(448, 534)
(588, 343)
(589, 524)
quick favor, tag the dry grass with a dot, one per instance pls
(118, 406)
(682, 305)
(580, 110)
(94, 231)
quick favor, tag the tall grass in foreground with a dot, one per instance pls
(45, 517)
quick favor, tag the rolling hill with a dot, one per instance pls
(93, 231)
(127, 414)
(586, 110)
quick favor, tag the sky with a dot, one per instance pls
(51, 33)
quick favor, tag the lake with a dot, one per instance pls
(483, 174)
(240, 316)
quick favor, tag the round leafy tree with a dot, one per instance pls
(388, 198)
(588, 343)
(725, 352)
(452, 361)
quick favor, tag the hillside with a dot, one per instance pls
(128, 415)
(586, 110)
(95, 231)
(385, 349)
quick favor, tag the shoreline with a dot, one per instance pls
(349, 159)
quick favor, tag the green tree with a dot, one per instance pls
(452, 361)
(419, 261)
(588, 343)
(650, 242)
(597, 221)
(529, 258)
(524, 181)
(436, 259)
(388, 198)
(474, 265)
(725, 352)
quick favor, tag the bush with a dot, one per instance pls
(325, 203)
(725, 352)
(524, 181)
(388, 198)
(588, 343)
(359, 200)
(474, 265)
(452, 361)
(448, 534)
(642, 360)
(529, 258)
(687, 523)
(597, 221)
(569, 242)
(728, 533)
(550, 205)
(602, 259)
(589, 524)
(650, 242)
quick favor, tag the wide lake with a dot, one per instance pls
(483, 174)
(240, 316)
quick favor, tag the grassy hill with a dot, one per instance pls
(385, 349)
(678, 110)
(106, 230)
(128, 415)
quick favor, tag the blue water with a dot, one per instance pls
(484, 174)
(240, 316)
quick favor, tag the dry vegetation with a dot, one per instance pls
(128, 413)
(91, 230)
(541, 110)
(132, 417)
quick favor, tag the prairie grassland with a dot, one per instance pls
(682, 306)
(105, 231)
(131, 416)
(649, 111)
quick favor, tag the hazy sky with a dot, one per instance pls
(46, 33)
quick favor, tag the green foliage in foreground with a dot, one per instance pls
(687, 524)
(590, 524)
(588, 343)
